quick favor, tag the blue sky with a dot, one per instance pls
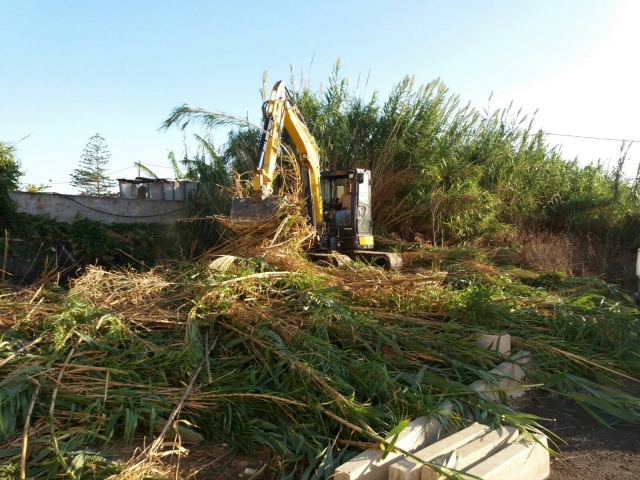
(74, 68)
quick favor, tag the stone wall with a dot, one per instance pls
(68, 208)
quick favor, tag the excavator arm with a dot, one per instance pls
(280, 112)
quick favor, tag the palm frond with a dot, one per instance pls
(186, 114)
(145, 169)
(177, 172)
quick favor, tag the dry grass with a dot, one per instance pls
(116, 288)
(592, 257)
(548, 252)
(579, 256)
(279, 242)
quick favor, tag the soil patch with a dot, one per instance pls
(591, 451)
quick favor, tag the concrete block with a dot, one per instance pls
(517, 373)
(521, 358)
(369, 466)
(474, 451)
(426, 431)
(485, 388)
(510, 375)
(504, 369)
(524, 461)
(516, 392)
(408, 469)
(498, 343)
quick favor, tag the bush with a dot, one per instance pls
(9, 180)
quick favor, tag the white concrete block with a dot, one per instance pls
(517, 373)
(521, 358)
(474, 451)
(426, 431)
(504, 369)
(408, 469)
(369, 466)
(512, 376)
(516, 392)
(524, 461)
(485, 388)
(498, 343)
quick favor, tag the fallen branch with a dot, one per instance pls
(158, 441)
(25, 434)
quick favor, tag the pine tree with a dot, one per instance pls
(91, 177)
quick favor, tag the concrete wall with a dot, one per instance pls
(68, 208)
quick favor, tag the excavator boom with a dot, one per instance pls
(258, 211)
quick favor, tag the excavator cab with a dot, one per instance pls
(346, 202)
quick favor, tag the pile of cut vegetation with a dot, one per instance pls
(257, 348)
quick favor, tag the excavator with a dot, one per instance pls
(338, 201)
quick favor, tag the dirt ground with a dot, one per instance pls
(220, 463)
(592, 451)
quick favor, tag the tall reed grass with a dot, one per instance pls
(451, 173)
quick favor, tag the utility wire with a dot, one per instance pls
(544, 133)
(122, 170)
(115, 214)
(591, 138)
(154, 165)
(47, 182)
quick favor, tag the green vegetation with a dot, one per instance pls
(274, 355)
(252, 346)
(449, 174)
(33, 188)
(66, 248)
(465, 174)
(9, 179)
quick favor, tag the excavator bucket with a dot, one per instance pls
(248, 216)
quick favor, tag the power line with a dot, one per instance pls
(154, 165)
(115, 214)
(591, 138)
(121, 170)
(49, 181)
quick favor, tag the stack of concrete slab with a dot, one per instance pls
(475, 450)
(370, 465)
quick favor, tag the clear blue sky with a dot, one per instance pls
(74, 68)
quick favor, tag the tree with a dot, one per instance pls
(33, 188)
(9, 175)
(91, 177)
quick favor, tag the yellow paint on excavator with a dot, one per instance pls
(259, 211)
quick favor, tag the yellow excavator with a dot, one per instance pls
(338, 201)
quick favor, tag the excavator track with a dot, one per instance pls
(386, 260)
(333, 259)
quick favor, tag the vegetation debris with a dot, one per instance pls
(243, 350)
